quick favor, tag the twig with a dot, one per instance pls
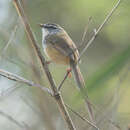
(100, 110)
(57, 95)
(96, 32)
(17, 78)
(85, 32)
(115, 125)
(65, 77)
(10, 39)
(81, 117)
(22, 126)
(90, 111)
(26, 127)
(38, 111)
(9, 90)
(83, 37)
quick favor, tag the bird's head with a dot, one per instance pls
(50, 28)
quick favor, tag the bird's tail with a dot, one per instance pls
(81, 85)
(78, 76)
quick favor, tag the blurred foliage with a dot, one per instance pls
(107, 71)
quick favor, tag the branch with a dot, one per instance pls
(96, 32)
(85, 32)
(8, 91)
(57, 95)
(65, 77)
(115, 125)
(19, 79)
(81, 117)
(22, 126)
(10, 40)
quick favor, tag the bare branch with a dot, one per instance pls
(83, 37)
(19, 79)
(21, 125)
(57, 95)
(9, 90)
(115, 125)
(31, 37)
(90, 111)
(85, 31)
(81, 117)
(65, 77)
(26, 127)
(96, 32)
(10, 39)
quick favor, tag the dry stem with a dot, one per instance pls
(96, 32)
(19, 79)
(57, 95)
(23, 126)
(81, 117)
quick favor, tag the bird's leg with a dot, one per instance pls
(69, 72)
(48, 62)
(65, 77)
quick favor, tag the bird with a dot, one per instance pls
(60, 49)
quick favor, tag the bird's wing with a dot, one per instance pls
(63, 44)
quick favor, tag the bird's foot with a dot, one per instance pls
(48, 62)
(69, 72)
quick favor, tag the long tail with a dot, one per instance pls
(81, 84)
(78, 76)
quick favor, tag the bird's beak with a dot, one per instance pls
(41, 25)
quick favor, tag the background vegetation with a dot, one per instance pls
(105, 65)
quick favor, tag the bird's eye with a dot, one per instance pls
(52, 27)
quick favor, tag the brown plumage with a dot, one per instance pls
(61, 49)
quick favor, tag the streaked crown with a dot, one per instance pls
(50, 26)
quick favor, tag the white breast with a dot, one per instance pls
(44, 34)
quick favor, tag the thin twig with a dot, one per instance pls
(115, 124)
(90, 111)
(96, 32)
(81, 117)
(65, 77)
(26, 101)
(57, 95)
(39, 111)
(83, 37)
(85, 32)
(89, 42)
(22, 126)
(17, 78)
(9, 90)
(26, 127)
(10, 39)
(9, 42)
(100, 110)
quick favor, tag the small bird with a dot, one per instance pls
(59, 47)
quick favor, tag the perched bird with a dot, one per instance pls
(59, 47)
